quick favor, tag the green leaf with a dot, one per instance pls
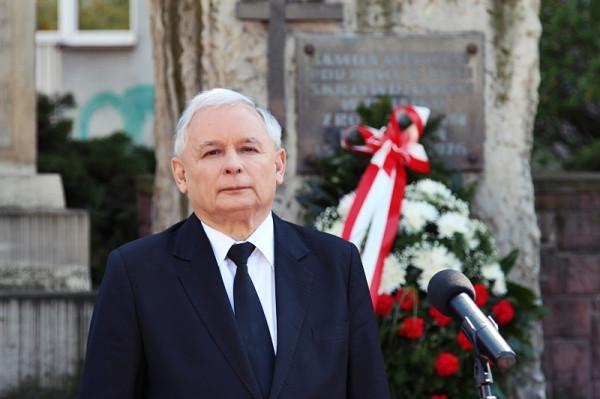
(507, 263)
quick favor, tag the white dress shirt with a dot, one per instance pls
(261, 267)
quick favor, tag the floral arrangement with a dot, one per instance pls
(426, 354)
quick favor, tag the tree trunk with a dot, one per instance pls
(176, 27)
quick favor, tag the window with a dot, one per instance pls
(47, 15)
(88, 23)
(103, 15)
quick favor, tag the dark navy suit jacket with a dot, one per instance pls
(163, 327)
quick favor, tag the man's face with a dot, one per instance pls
(230, 166)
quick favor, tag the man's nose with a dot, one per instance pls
(233, 163)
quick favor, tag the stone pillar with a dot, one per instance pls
(42, 245)
(44, 248)
(17, 85)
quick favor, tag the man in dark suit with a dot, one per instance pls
(233, 302)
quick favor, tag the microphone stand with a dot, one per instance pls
(481, 367)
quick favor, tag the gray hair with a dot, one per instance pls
(217, 98)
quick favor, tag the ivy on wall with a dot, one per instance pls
(98, 175)
(567, 127)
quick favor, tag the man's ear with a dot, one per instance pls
(178, 170)
(280, 165)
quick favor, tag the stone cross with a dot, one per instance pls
(277, 13)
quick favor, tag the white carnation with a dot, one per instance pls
(326, 219)
(451, 223)
(493, 271)
(437, 194)
(393, 276)
(460, 206)
(432, 188)
(416, 214)
(499, 287)
(473, 243)
(479, 226)
(345, 204)
(432, 259)
(320, 223)
(336, 228)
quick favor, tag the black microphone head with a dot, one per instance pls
(444, 286)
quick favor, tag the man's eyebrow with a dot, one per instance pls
(216, 143)
(208, 143)
(251, 140)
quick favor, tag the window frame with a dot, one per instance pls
(69, 34)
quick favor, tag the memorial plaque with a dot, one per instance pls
(442, 72)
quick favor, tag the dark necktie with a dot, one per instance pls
(251, 319)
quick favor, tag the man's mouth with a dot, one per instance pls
(234, 188)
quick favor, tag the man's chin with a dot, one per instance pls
(237, 207)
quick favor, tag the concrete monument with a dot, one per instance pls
(42, 245)
(44, 248)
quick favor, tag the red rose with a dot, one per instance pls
(407, 298)
(439, 318)
(439, 397)
(412, 328)
(481, 294)
(446, 364)
(463, 341)
(384, 305)
(503, 311)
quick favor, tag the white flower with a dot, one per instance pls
(432, 259)
(345, 204)
(459, 206)
(416, 214)
(437, 194)
(493, 271)
(326, 219)
(319, 223)
(479, 227)
(393, 276)
(499, 287)
(473, 243)
(336, 228)
(432, 188)
(451, 223)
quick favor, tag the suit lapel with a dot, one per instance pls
(199, 275)
(293, 283)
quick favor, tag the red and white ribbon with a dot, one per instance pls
(373, 217)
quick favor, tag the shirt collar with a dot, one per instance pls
(262, 238)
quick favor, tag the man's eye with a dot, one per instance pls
(211, 153)
(249, 149)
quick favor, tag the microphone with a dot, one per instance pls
(452, 294)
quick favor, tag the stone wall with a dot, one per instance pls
(568, 208)
(42, 336)
(46, 249)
